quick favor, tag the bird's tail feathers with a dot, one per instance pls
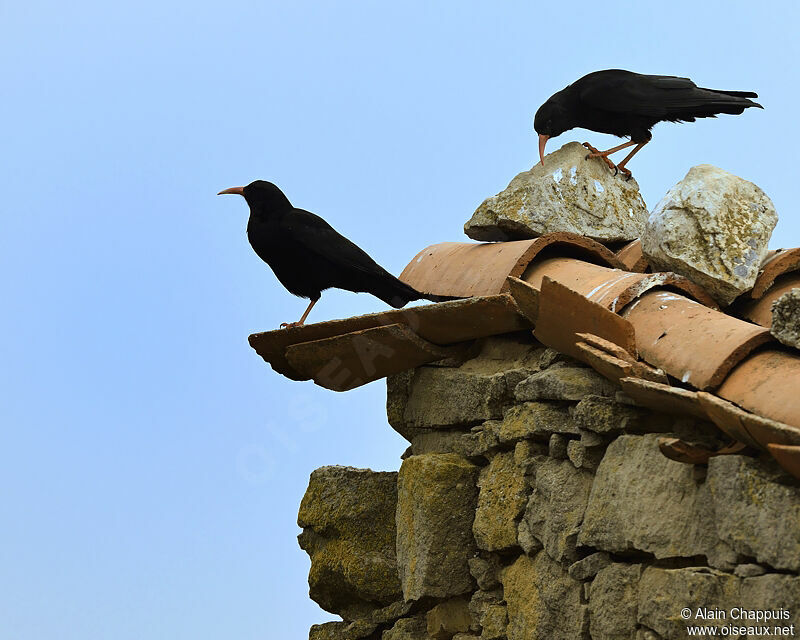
(738, 94)
(743, 95)
(399, 294)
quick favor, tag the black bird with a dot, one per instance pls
(308, 255)
(628, 104)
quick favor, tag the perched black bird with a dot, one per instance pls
(308, 255)
(628, 104)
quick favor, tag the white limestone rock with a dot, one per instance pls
(714, 228)
(786, 318)
(568, 193)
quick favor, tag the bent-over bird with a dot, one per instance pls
(308, 255)
(628, 104)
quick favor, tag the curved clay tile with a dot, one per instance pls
(728, 417)
(663, 397)
(766, 383)
(632, 257)
(472, 269)
(691, 342)
(788, 457)
(760, 310)
(564, 313)
(780, 262)
(611, 288)
(441, 324)
(344, 362)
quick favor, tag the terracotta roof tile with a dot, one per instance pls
(563, 313)
(344, 362)
(728, 417)
(612, 288)
(788, 457)
(663, 397)
(691, 342)
(439, 324)
(766, 383)
(760, 309)
(777, 263)
(586, 302)
(632, 257)
(614, 362)
(470, 269)
(682, 451)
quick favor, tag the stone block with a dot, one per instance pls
(535, 420)
(355, 630)
(501, 501)
(714, 228)
(489, 614)
(557, 447)
(587, 568)
(353, 567)
(607, 416)
(756, 514)
(584, 457)
(643, 501)
(543, 602)
(414, 628)
(448, 618)
(568, 193)
(776, 593)
(613, 602)
(436, 502)
(663, 593)
(555, 510)
(486, 571)
(564, 383)
(442, 398)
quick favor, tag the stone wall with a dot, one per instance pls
(533, 503)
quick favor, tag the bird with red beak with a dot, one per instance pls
(308, 255)
(629, 105)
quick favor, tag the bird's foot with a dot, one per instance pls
(625, 172)
(599, 154)
(289, 325)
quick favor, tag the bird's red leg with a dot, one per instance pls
(621, 165)
(604, 154)
(300, 322)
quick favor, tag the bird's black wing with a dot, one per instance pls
(318, 237)
(658, 97)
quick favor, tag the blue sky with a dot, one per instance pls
(151, 464)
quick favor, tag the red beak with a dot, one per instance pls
(542, 141)
(237, 190)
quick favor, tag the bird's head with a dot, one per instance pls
(551, 120)
(261, 196)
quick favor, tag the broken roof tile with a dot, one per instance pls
(614, 359)
(344, 362)
(760, 310)
(563, 313)
(691, 342)
(788, 457)
(441, 324)
(612, 288)
(728, 417)
(526, 297)
(663, 397)
(632, 257)
(776, 264)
